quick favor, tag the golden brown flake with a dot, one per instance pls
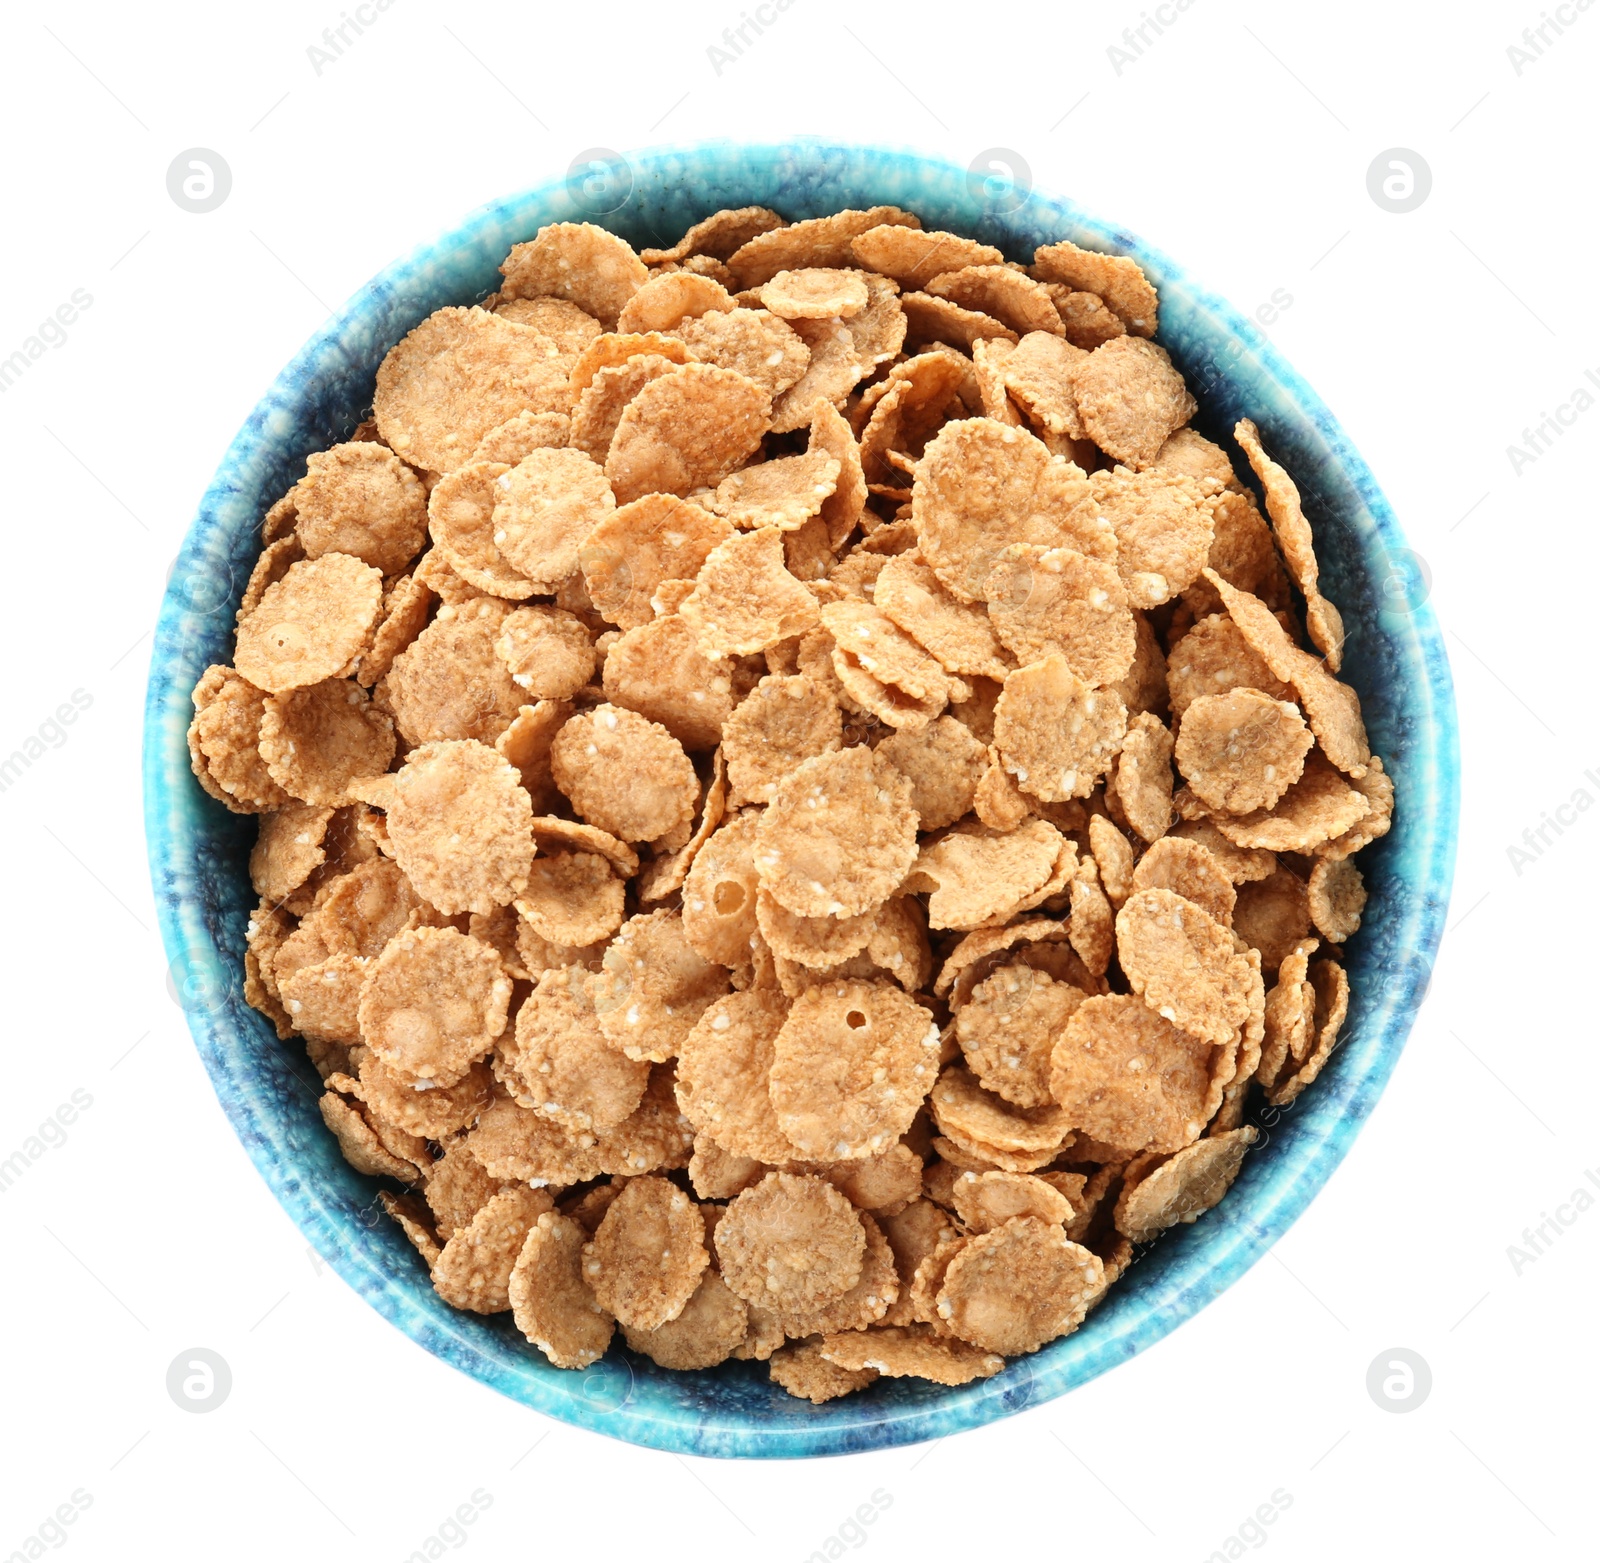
(723, 1066)
(654, 986)
(1242, 751)
(818, 241)
(1181, 961)
(361, 499)
(1320, 806)
(1130, 398)
(450, 682)
(911, 1351)
(1188, 869)
(551, 1302)
(808, 1375)
(624, 773)
(311, 625)
(791, 1242)
(1008, 1028)
(1056, 734)
(913, 257)
(1117, 279)
(1336, 895)
(719, 895)
(745, 599)
(686, 430)
(316, 740)
(648, 1254)
(578, 262)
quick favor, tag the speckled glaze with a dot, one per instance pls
(1395, 659)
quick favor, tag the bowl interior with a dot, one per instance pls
(1395, 660)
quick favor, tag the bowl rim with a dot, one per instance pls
(1231, 1244)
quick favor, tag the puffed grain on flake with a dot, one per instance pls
(600, 405)
(461, 520)
(547, 652)
(750, 342)
(360, 1145)
(791, 1242)
(646, 1258)
(808, 1375)
(1130, 1078)
(1273, 915)
(361, 499)
(624, 773)
(852, 1064)
(745, 599)
(1336, 895)
(1084, 316)
(1056, 734)
(981, 486)
(1320, 806)
(1014, 1288)
(561, 322)
(653, 986)
(638, 546)
(1188, 869)
(1181, 961)
(451, 682)
(460, 825)
(459, 374)
(1117, 279)
(838, 836)
(723, 1065)
(980, 879)
(1293, 532)
(686, 430)
(1378, 790)
(311, 625)
(1131, 398)
(713, 1322)
(474, 1269)
(817, 241)
(578, 262)
(551, 1302)
(1008, 1028)
(1045, 601)
(1038, 375)
(1242, 751)
(317, 739)
(224, 743)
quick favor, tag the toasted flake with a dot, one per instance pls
(461, 513)
(911, 1351)
(1213, 658)
(830, 435)
(1181, 961)
(913, 257)
(459, 374)
(1319, 807)
(551, 1301)
(718, 235)
(1084, 316)
(1183, 1188)
(526, 744)
(1331, 708)
(1273, 915)
(1008, 296)
(808, 1375)
(547, 651)
(882, 668)
(433, 1003)
(1240, 864)
(521, 1143)
(224, 743)
(851, 1066)
(578, 262)
(1163, 531)
(311, 625)
(617, 349)
(815, 293)
(905, 410)
(723, 1065)
(960, 637)
(818, 942)
(1045, 601)
(1293, 532)
(405, 609)
(1008, 1028)
(624, 773)
(475, 1268)
(969, 1114)
(818, 241)
(719, 895)
(450, 682)
(1336, 895)
(713, 1322)
(647, 1257)
(1117, 279)
(632, 550)
(572, 898)
(459, 824)
(944, 764)
(987, 1200)
(660, 671)
(749, 342)
(1055, 733)
(1331, 993)
(433, 1114)
(654, 986)
(317, 739)
(517, 437)
(834, 369)
(1242, 751)
(361, 499)
(1038, 375)
(686, 430)
(289, 849)
(930, 319)
(981, 486)
(839, 834)
(785, 492)
(745, 599)
(547, 506)
(781, 723)
(1128, 1077)
(600, 405)
(1130, 398)
(569, 328)
(1378, 790)
(981, 880)
(1014, 1288)
(791, 1243)
(863, 1304)
(669, 298)
(1188, 869)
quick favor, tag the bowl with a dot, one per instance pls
(1395, 659)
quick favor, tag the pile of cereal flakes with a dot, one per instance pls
(794, 801)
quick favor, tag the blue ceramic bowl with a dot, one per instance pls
(1396, 660)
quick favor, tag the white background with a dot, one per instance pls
(1239, 142)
